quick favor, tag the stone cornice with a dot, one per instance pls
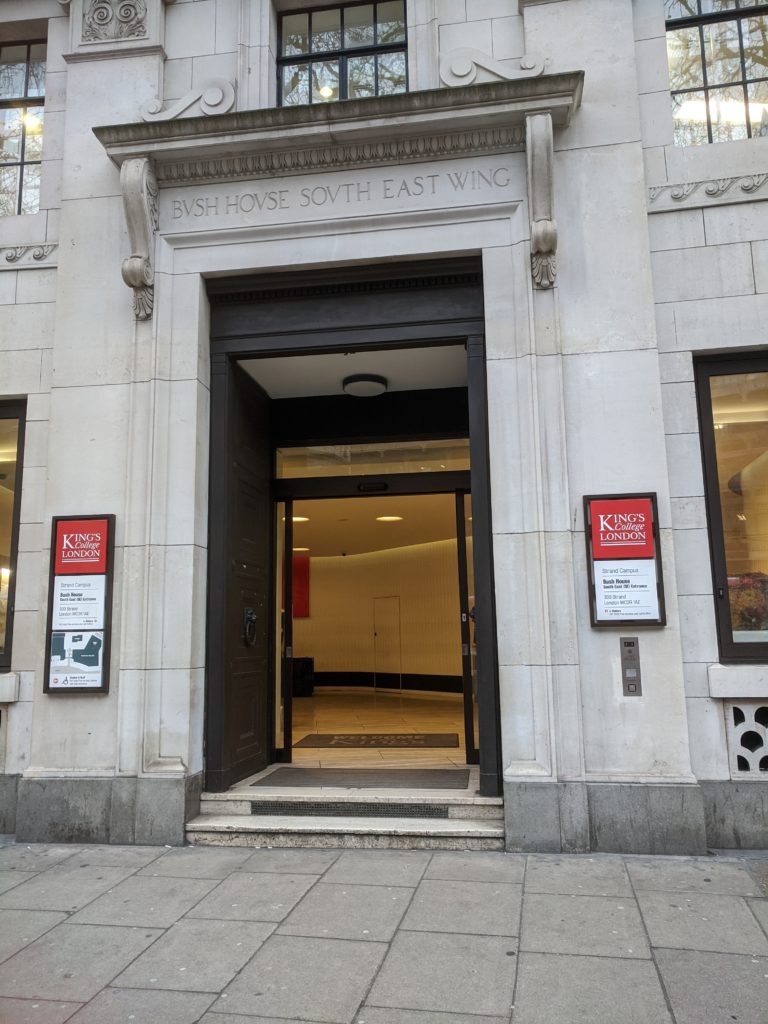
(708, 192)
(434, 124)
(17, 257)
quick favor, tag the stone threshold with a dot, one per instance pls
(346, 833)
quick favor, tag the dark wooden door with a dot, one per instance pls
(239, 703)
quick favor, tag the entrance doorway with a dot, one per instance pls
(281, 350)
(381, 635)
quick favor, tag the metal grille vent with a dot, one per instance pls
(747, 726)
(340, 809)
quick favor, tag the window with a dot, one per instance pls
(733, 406)
(339, 53)
(718, 69)
(11, 446)
(22, 95)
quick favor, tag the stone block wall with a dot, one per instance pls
(710, 277)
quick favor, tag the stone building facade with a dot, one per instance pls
(559, 147)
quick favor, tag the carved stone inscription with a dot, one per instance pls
(382, 190)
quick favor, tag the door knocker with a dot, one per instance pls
(249, 627)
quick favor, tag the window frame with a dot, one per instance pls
(342, 54)
(21, 102)
(13, 409)
(704, 369)
(699, 21)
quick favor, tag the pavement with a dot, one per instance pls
(147, 935)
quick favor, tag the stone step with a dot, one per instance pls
(345, 833)
(345, 804)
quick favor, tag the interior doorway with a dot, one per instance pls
(381, 641)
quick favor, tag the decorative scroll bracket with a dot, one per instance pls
(139, 188)
(539, 155)
(217, 96)
(459, 67)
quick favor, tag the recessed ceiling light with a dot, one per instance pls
(301, 549)
(389, 519)
(300, 519)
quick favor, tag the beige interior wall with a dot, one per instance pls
(339, 632)
(6, 521)
(754, 487)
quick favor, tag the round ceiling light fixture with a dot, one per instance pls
(389, 519)
(364, 385)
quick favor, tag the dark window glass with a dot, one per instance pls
(22, 90)
(734, 406)
(351, 51)
(718, 69)
(11, 435)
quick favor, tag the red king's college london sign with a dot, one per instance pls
(81, 547)
(622, 528)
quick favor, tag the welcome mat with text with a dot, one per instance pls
(379, 739)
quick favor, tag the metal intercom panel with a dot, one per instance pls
(630, 666)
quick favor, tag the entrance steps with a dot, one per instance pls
(357, 819)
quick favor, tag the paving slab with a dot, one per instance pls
(722, 924)
(715, 988)
(20, 927)
(73, 962)
(475, 908)
(477, 867)
(35, 1011)
(375, 1015)
(584, 876)
(760, 909)
(304, 978)
(229, 1018)
(9, 879)
(691, 876)
(588, 990)
(35, 857)
(389, 867)
(367, 912)
(196, 956)
(146, 902)
(133, 857)
(132, 1006)
(253, 896)
(68, 886)
(587, 925)
(296, 862)
(460, 974)
(198, 862)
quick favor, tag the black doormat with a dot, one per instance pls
(345, 740)
(369, 778)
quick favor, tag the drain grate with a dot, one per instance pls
(339, 809)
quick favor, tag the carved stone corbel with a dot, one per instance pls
(460, 67)
(139, 188)
(539, 155)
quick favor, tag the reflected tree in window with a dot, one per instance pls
(353, 51)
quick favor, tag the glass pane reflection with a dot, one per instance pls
(361, 77)
(9, 442)
(391, 73)
(373, 459)
(740, 413)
